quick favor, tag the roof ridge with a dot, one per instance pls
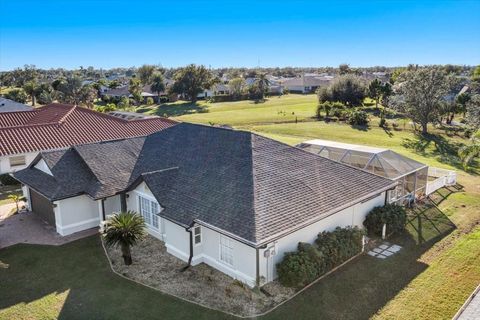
(160, 170)
(65, 116)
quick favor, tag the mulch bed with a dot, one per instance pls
(202, 284)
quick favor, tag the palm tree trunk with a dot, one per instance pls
(126, 254)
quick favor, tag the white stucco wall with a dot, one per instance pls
(352, 216)
(112, 205)
(5, 163)
(76, 214)
(244, 257)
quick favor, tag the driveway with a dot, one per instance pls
(27, 227)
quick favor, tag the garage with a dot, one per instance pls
(43, 207)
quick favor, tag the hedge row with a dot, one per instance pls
(310, 261)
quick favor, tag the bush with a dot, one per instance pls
(150, 101)
(358, 118)
(330, 249)
(124, 102)
(7, 180)
(17, 94)
(104, 109)
(393, 215)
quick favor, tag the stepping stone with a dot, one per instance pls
(371, 253)
(377, 250)
(383, 246)
(387, 253)
(380, 256)
(394, 248)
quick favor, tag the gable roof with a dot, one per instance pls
(249, 186)
(59, 126)
(7, 105)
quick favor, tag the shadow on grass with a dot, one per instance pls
(74, 281)
(176, 109)
(360, 128)
(445, 150)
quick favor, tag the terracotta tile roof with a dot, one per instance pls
(59, 126)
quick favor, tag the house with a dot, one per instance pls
(415, 179)
(306, 83)
(24, 134)
(7, 105)
(231, 199)
(146, 93)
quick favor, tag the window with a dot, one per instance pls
(197, 235)
(149, 210)
(226, 250)
(17, 161)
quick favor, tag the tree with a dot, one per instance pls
(145, 73)
(31, 88)
(263, 84)
(348, 89)
(375, 91)
(88, 95)
(422, 94)
(237, 87)
(135, 89)
(469, 152)
(114, 84)
(17, 94)
(158, 84)
(462, 99)
(16, 199)
(476, 74)
(344, 69)
(71, 89)
(192, 80)
(124, 229)
(387, 91)
(473, 111)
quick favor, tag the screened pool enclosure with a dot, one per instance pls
(412, 176)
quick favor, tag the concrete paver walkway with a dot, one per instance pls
(27, 227)
(471, 309)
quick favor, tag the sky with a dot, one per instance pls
(108, 33)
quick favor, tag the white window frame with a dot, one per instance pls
(17, 161)
(226, 250)
(197, 232)
(148, 209)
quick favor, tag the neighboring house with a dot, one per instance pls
(24, 134)
(231, 199)
(7, 105)
(146, 92)
(306, 83)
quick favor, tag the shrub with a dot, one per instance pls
(358, 118)
(330, 249)
(124, 102)
(150, 101)
(7, 180)
(394, 216)
(104, 109)
(17, 94)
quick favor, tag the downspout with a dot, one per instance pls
(123, 202)
(189, 263)
(103, 209)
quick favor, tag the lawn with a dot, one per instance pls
(287, 108)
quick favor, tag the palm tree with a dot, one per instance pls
(125, 229)
(263, 83)
(16, 198)
(469, 152)
(31, 88)
(158, 85)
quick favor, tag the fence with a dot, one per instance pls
(443, 178)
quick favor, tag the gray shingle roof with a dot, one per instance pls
(250, 186)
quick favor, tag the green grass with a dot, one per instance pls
(274, 110)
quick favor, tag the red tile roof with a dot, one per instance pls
(59, 126)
